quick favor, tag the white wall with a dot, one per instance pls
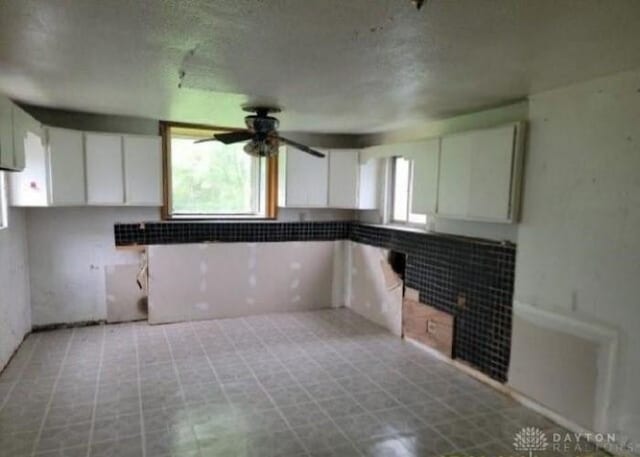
(69, 252)
(15, 309)
(579, 242)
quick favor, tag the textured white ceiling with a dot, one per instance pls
(349, 66)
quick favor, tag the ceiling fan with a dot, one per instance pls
(261, 133)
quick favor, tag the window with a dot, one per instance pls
(4, 221)
(401, 194)
(214, 180)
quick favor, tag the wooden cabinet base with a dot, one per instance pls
(426, 324)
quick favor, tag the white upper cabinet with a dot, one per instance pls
(6, 134)
(74, 168)
(31, 186)
(66, 167)
(303, 179)
(352, 184)
(105, 174)
(339, 180)
(343, 178)
(26, 131)
(480, 174)
(455, 175)
(142, 170)
(17, 131)
(368, 175)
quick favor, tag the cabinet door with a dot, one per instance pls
(26, 132)
(66, 173)
(142, 170)
(31, 186)
(455, 175)
(306, 180)
(6, 134)
(368, 184)
(105, 184)
(426, 164)
(491, 172)
(477, 175)
(343, 178)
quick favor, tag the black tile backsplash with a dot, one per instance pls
(228, 232)
(469, 278)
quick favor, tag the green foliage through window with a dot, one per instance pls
(213, 179)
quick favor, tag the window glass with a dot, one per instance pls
(402, 185)
(212, 179)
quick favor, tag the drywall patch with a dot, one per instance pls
(202, 306)
(375, 290)
(233, 289)
(125, 301)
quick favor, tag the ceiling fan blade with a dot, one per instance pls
(229, 138)
(233, 137)
(204, 140)
(301, 146)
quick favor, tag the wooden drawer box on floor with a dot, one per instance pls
(426, 324)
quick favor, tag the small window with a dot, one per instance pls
(401, 198)
(214, 180)
(4, 216)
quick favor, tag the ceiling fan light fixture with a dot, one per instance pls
(262, 148)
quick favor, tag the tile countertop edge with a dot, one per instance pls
(350, 225)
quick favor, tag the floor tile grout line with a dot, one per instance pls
(211, 367)
(382, 388)
(21, 373)
(322, 342)
(53, 391)
(276, 407)
(177, 372)
(143, 438)
(95, 395)
(313, 400)
(173, 362)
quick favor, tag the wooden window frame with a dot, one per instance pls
(271, 202)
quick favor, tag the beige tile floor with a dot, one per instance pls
(323, 383)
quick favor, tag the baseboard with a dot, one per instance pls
(63, 325)
(15, 351)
